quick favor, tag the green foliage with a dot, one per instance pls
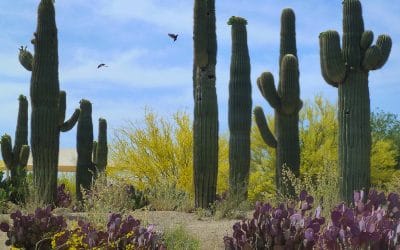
(178, 238)
(386, 125)
(231, 207)
(69, 182)
(106, 195)
(262, 168)
(166, 197)
(157, 152)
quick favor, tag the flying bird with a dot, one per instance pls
(173, 36)
(101, 65)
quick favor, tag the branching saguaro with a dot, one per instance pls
(205, 125)
(239, 110)
(285, 100)
(347, 69)
(47, 101)
(15, 158)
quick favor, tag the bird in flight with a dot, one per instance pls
(101, 65)
(173, 36)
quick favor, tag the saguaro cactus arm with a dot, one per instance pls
(6, 150)
(367, 38)
(376, 56)
(289, 87)
(267, 88)
(25, 58)
(70, 123)
(332, 64)
(102, 147)
(94, 154)
(24, 155)
(262, 125)
(384, 43)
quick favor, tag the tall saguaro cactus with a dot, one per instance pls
(84, 146)
(205, 125)
(239, 109)
(285, 100)
(16, 158)
(47, 101)
(92, 155)
(348, 69)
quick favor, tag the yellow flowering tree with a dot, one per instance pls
(158, 151)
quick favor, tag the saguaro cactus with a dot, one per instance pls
(348, 69)
(48, 103)
(84, 146)
(16, 158)
(286, 102)
(100, 148)
(239, 109)
(205, 125)
(92, 156)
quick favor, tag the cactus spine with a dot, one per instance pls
(348, 69)
(15, 158)
(239, 111)
(205, 125)
(286, 102)
(48, 103)
(92, 156)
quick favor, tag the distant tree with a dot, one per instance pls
(386, 125)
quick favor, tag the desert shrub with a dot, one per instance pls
(324, 186)
(158, 151)
(394, 184)
(105, 196)
(285, 226)
(69, 181)
(166, 197)
(178, 238)
(231, 206)
(373, 224)
(32, 230)
(370, 224)
(63, 198)
(119, 233)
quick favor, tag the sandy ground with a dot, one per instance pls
(210, 232)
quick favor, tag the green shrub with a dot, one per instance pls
(178, 239)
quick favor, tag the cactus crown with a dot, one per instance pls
(237, 20)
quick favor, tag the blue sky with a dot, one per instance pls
(146, 69)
